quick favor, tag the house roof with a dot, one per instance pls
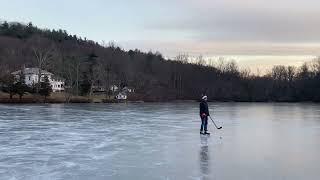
(122, 94)
(32, 71)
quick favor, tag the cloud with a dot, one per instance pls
(172, 48)
(245, 20)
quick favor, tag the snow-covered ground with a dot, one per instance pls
(159, 141)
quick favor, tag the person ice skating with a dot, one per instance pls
(204, 113)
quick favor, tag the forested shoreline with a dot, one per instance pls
(85, 64)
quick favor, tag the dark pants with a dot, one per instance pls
(204, 123)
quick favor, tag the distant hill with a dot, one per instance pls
(85, 64)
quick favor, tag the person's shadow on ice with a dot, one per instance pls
(204, 159)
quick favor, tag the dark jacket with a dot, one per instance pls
(204, 108)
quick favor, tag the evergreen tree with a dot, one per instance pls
(85, 85)
(45, 88)
(20, 86)
(9, 85)
(4, 28)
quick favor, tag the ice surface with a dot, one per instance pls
(159, 141)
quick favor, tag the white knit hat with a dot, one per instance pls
(204, 97)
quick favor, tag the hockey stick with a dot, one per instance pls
(215, 123)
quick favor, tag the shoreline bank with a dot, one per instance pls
(89, 101)
(61, 98)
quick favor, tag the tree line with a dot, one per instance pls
(86, 66)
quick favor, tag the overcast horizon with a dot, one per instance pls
(253, 32)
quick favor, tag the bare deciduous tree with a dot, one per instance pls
(44, 51)
(183, 58)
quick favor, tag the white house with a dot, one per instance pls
(100, 88)
(31, 78)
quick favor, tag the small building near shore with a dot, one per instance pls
(121, 96)
(114, 88)
(32, 74)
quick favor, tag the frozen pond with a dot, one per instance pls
(159, 141)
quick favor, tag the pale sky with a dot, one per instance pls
(254, 32)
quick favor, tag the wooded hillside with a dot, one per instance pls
(85, 64)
